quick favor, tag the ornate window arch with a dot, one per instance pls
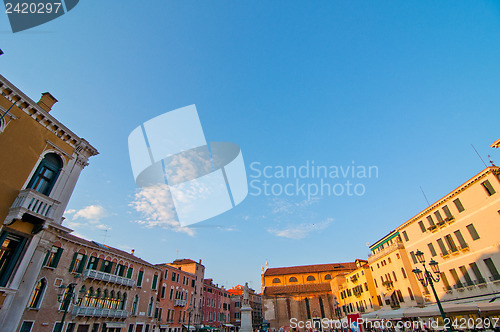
(276, 281)
(292, 279)
(310, 278)
(46, 173)
(38, 292)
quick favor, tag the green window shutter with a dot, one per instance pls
(46, 257)
(155, 280)
(82, 264)
(58, 256)
(129, 272)
(139, 278)
(73, 262)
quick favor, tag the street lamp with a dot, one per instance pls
(427, 278)
(66, 296)
(337, 308)
(190, 311)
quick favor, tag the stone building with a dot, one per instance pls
(255, 299)
(216, 304)
(301, 292)
(113, 290)
(37, 178)
(176, 296)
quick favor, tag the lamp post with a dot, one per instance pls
(66, 296)
(190, 311)
(336, 306)
(427, 278)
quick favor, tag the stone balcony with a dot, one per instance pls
(99, 312)
(393, 246)
(32, 202)
(108, 277)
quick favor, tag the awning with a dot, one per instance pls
(190, 327)
(228, 325)
(114, 325)
(388, 295)
(375, 314)
(392, 314)
(433, 310)
(164, 326)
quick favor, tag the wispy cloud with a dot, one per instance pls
(89, 216)
(157, 209)
(300, 231)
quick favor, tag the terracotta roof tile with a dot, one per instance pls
(305, 288)
(310, 268)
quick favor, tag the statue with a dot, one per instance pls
(246, 312)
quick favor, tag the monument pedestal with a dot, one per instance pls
(246, 319)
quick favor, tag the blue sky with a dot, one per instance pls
(403, 86)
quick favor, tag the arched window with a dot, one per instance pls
(310, 278)
(88, 299)
(134, 305)
(124, 302)
(292, 279)
(328, 277)
(81, 294)
(276, 281)
(36, 298)
(46, 174)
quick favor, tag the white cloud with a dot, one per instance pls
(300, 231)
(92, 213)
(157, 209)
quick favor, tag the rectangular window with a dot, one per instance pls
(171, 294)
(450, 243)
(438, 216)
(432, 250)
(394, 275)
(131, 328)
(447, 212)
(445, 281)
(95, 327)
(129, 272)
(492, 268)
(405, 236)
(52, 257)
(155, 281)
(465, 274)
(431, 221)
(177, 279)
(460, 239)
(10, 251)
(459, 205)
(140, 275)
(70, 327)
(422, 226)
(57, 327)
(413, 258)
(444, 251)
(166, 274)
(173, 276)
(26, 327)
(106, 266)
(120, 270)
(477, 273)
(488, 187)
(472, 232)
(458, 283)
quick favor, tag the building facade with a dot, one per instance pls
(198, 270)
(301, 292)
(176, 296)
(113, 290)
(236, 299)
(461, 233)
(37, 179)
(216, 305)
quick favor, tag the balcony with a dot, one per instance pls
(108, 277)
(393, 246)
(99, 312)
(432, 228)
(34, 203)
(180, 303)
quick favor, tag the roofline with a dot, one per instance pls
(496, 144)
(390, 235)
(456, 191)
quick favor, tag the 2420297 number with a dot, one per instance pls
(32, 8)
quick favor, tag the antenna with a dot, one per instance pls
(429, 204)
(479, 156)
(491, 161)
(105, 235)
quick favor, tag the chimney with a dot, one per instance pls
(47, 101)
(132, 251)
(200, 261)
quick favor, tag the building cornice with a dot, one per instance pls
(492, 169)
(495, 144)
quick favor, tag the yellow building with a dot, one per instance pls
(461, 232)
(40, 165)
(395, 284)
(300, 292)
(357, 292)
